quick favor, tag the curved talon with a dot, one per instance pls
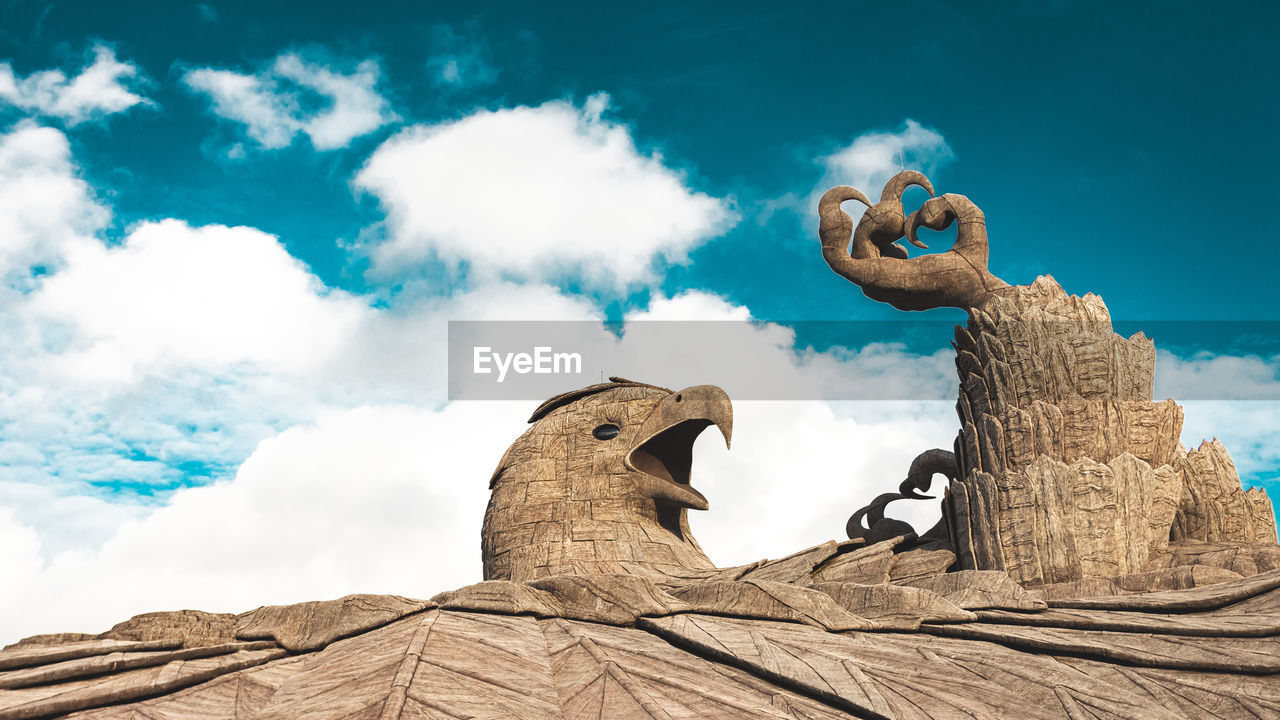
(913, 495)
(881, 225)
(924, 467)
(832, 199)
(836, 225)
(874, 513)
(936, 214)
(897, 185)
(919, 478)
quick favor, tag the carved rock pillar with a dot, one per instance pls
(1067, 466)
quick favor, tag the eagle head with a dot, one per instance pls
(599, 483)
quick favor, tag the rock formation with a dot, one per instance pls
(961, 644)
(1066, 467)
(1087, 565)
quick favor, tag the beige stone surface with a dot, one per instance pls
(48, 639)
(899, 605)
(623, 646)
(1170, 578)
(920, 563)
(978, 590)
(1211, 625)
(312, 625)
(608, 599)
(870, 564)
(771, 600)
(237, 695)
(609, 672)
(503, 597)
(86, 667)
(192, 628)
(799, 568)
(126, 685)
(22, 655)
(891, 675)
(1242, 558)
(1248, 655)
(1208, 597)
(1068, 468)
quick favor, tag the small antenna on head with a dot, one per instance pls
(901, 165)
(601, 376)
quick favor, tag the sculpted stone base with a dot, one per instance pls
(1067, 467)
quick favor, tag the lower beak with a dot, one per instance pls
(663, 453)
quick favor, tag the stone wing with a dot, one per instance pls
(971, 645)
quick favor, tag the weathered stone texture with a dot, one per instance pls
(567, 502)
(1068, 469)
(191, 628)
(313, 625)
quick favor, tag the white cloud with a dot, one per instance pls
(19, 567)
(102, 88)
(696, 337)
(375, 499)
(400, 354)
(532, 192)
(45, 209)
(164, 359)
(390, 499)
(187, 344)
(1250, 430)
(355, 108)
(277, 104)
(173, 295)
(691, 306)
(798, 470)
(63, 519)
(1209, 376)
(380, 499)
(267, 115)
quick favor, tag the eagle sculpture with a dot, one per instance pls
(1087, 565)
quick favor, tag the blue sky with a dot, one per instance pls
(1102, 141)
(235, 231)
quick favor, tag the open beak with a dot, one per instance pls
(663, 452)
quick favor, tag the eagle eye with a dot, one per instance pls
(607, 431)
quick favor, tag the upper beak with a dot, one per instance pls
(663, 452)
